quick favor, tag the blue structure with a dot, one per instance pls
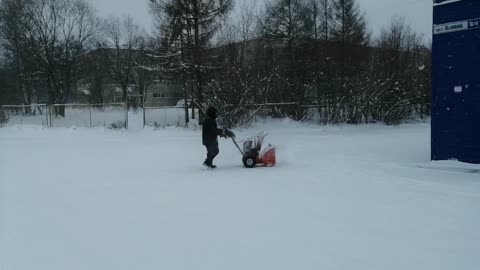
(456, 80)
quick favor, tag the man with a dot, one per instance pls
(210, 132)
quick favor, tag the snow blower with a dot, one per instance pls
(254, 155)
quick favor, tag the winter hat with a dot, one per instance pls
(212, 112)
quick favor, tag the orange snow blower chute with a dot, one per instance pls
(254, 155)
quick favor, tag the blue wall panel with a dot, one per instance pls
(456, 81)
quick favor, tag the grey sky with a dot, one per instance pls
(378, 12)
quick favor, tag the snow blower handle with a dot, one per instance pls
(236, 144)
(229, 134)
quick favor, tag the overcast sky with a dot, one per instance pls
(378, 12)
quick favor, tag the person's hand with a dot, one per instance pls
(229, 134)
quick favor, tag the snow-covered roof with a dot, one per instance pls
(444, 2)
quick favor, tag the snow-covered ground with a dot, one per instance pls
(363, 197)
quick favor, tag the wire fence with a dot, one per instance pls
(24, 115)
(167, 116)
(91, 115)
(111, 115)
(117, 115)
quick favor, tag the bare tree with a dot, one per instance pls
(8, 81)
(61, 31)
(16, 45)
(124, 37)
(95, 71)
(402, 64)
(242, 29)
(144, 72)
(397, 41)
(239, 84)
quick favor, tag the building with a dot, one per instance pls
(95, 82)
(456, 81)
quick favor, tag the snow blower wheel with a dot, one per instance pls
(249, 162)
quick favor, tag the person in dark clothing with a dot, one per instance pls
(210, 132)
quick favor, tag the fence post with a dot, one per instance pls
(90, 115)
(165, 115)
(126, 114)
(50, 114)
(142, 96)
(21, 115)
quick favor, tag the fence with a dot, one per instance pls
(25, 115)
(91, 115)
(166, 116)
(112, 115)
(116, 115)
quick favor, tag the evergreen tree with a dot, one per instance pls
(289, 19)
(349, 25)
(350, 32)
(186, 28)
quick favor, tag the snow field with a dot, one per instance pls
(340, 198)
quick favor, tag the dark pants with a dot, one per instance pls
(212, 152)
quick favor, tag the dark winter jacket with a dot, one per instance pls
(210, 131)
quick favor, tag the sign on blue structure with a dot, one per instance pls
(456, 80)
